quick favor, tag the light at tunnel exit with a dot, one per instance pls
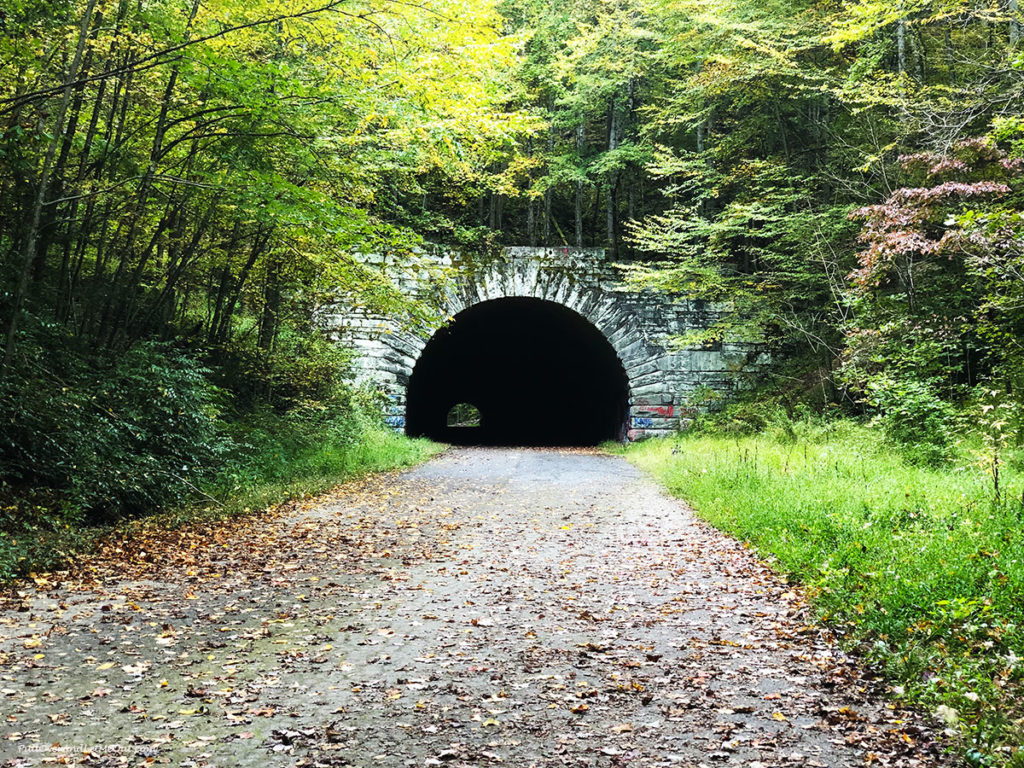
(537, 372)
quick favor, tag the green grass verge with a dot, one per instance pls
(920, 568)
(282, 469)
(270, 468)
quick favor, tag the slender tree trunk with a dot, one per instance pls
(901, 46)
(222, 290)
(619, 117)
(531, 203)
(497, 210)
(49, 229)
(135, 319)
(547, 217)
(259, 246)
(29, 252)
(268, 323)
(579, 190)
(547, 192)
(609, 200)
(531, 222)
(112, 314)
(922, 55)
(579, 214)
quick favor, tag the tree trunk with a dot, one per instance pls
(579, 190)
(547, 192)
(531, 222)
(259, 245)
(609, 199)
(112, 315)
(901, 46)
(29, 251)
(268, 323)
(497, 210)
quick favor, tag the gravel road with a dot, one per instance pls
(525, 607)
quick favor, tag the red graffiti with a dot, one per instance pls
(660, 410)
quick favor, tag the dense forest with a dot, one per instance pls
(184, 184)
(188, 182)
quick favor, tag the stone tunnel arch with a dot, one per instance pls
(539, 373)
(643, 328)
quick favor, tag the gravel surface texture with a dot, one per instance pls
(525, 607)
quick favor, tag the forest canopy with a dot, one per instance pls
(846, 176)
(183, 184)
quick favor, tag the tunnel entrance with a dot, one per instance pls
(533, 371)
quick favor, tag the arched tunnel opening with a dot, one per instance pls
(518, 371)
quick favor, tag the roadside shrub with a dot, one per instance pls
(303, 367)
(913, 416)
(111, 436)
(745, 417)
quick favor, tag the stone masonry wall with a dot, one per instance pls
(637, 325)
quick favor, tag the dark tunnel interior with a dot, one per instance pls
(536, 372)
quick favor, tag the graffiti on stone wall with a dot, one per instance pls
(665, 411)
(394, 413)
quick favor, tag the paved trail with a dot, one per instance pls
(524, 607)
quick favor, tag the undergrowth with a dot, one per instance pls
(271, 458)
(918, 564)
(94, 439)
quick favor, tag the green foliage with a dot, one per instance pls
(914, 416)
(926, 289)
(183, 189)
(463, 415)
(303, 367)
(110, 436)
(194, 194)
(587, 69)
(917, 565)
(142, 435)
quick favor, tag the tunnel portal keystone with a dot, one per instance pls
(638, 325)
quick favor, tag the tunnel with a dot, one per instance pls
(518, 371)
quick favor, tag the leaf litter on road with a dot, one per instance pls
(495, 606)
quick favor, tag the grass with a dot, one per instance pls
(275, 461)
(921, 568)
(284, 463)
